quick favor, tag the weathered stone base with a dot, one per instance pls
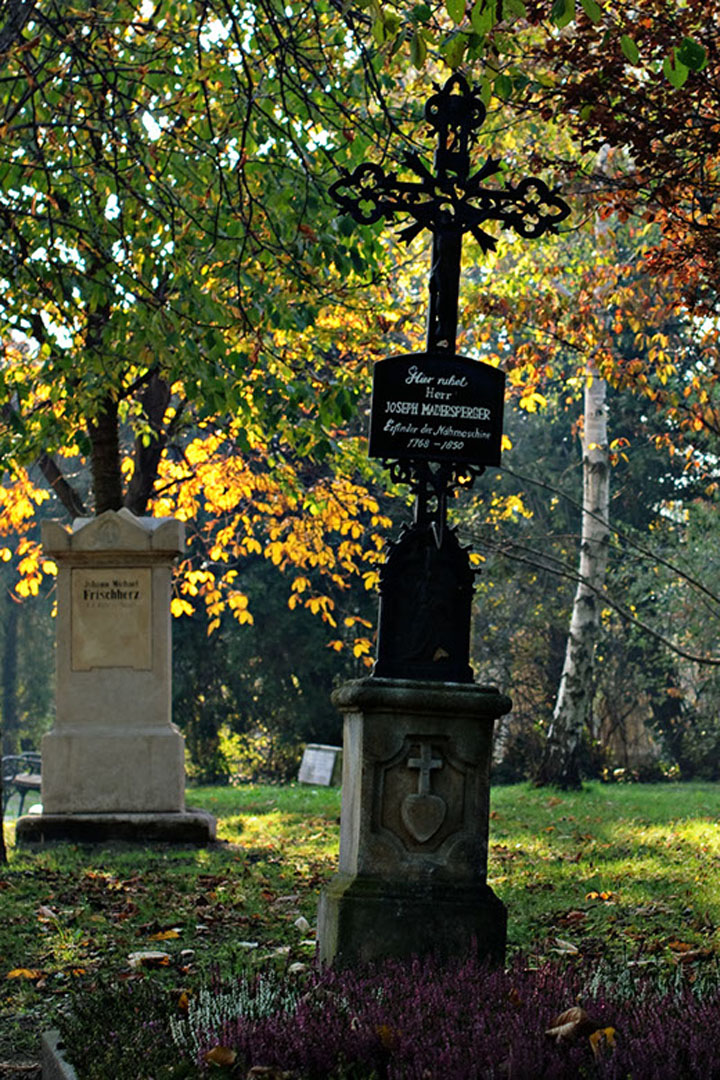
(183, 827)
(96, 771)
(54, 1064)
(363, 919)
(412, 872)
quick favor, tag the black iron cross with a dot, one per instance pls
(451, 202)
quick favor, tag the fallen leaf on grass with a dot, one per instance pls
(279, 953)
(572, 1025)
(689, 955)
(572, 917)
(164, 935)
(149, 958)
(601, 1040)
(24, 973)
(565, 948)
(221, 1055)
(387, 1037)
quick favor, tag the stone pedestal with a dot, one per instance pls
(113, 764)
(414, 826)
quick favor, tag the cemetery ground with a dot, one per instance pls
(612, 879)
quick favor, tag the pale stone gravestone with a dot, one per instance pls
(418, 732)
(321, 765)
(113, 764)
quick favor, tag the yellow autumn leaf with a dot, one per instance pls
(602, 1039)
(180, 607)
(24, 973)
(164, 935)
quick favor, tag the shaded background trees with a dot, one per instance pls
(188, 328)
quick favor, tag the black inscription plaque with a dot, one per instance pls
(435, 407)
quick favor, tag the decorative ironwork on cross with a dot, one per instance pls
(450, 202)
(436, 418)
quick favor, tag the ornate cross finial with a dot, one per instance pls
(451, 202)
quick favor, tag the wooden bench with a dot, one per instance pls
(21, 773)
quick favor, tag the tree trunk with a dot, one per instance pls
(155, 400)
(9, 712)
(560, 763)
(105, 457)
(9, 708)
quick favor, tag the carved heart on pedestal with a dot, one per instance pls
(423, 815)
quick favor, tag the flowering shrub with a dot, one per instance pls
(419, 1020)
(422, 1020)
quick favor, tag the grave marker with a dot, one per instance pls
(418, 732)
(113, 763)
(321, 765)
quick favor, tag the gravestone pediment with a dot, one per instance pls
(115, 530)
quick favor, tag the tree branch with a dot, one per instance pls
(19, 14)
(65, 492)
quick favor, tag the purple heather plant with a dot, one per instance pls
(423, 1020)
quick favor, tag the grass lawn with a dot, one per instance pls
(624, 875)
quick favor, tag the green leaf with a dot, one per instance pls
(676, 73)
(378, 32)
(456, 10)
(503, 86)
(482, 17)
(418, 51)
(592, 10)
(692, 54)
(630, 49)
(563, 12)
(514, 7)
(454, 51)
(421, 13)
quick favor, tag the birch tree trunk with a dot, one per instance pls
(560, 764)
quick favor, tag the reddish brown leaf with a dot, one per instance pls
(221, 1055)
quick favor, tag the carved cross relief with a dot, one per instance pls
(423, 813)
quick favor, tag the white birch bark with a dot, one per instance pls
(560, 764)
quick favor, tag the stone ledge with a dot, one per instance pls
(193, 827)
(54, 1065)
(419, 697)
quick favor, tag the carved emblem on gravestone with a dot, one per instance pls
(423, 813)
(420, 793)
(106, 535)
